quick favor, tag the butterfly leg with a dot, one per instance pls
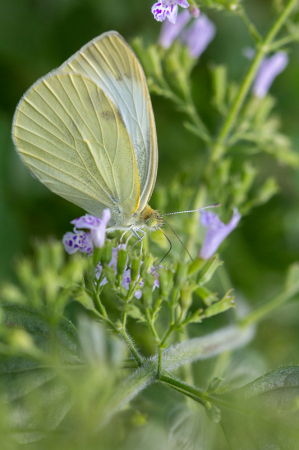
(125, 232)
(139, 238)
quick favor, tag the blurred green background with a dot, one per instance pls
(38, 35)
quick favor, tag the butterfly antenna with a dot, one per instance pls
(178, 239)
(170, 247)
(191, 210)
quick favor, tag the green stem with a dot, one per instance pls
(264, 310)
(138, 358)
(195, 393)
(160, 354)
(99, 305)
(219, 146)
(152, 326)
(167, 334)
(123, 333)
(283, 41)
(105, 319)
(251, 27)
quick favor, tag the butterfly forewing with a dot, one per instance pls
(74, 140)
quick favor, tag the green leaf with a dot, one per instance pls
(30, 384)
(265, 411)
(61, 336)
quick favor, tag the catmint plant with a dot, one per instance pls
(108, 340)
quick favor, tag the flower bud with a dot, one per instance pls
(181, 273)
(107, 253)
(135, 266)
(166, 281)
(96, 256)
(208, 270)
(213, 412)
(147, 291)
(147, 265)
(214, 384)
(224, 304)
(122, 256)
(194, 11)
(185, 299)
(196, 265)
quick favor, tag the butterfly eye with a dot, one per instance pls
(152, 222)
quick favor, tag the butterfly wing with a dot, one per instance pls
(74, 140)
(113, 66)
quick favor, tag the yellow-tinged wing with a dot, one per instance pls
(74, 140)
(113, 66)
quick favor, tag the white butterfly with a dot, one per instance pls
(87, 131)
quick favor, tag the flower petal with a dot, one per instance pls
(268, 71)
(171, 13)
(77, 241)
(199, 35)
(216, 231)
(182, 3)
(170, 31)
(99, 233)
(159, 11)
(88, 221)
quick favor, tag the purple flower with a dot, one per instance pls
(216, 231)
(268, 71)
(169, 9)
(82, 241)
(170, 31)
(127, 280)
(77, 241)
(198, 36)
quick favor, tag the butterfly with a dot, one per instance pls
(87, 131)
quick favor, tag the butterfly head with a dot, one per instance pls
(151, 218)
(154, 221)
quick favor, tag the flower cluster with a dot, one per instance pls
(127, 273)
(168, 9)
(85, 242)
(197, 36)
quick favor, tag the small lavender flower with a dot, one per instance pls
(127, 280)
(169, 31)
(82, 241)
(198, 36)
(268, 71)
(77, 241)
(216, 231)
(169, 9)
